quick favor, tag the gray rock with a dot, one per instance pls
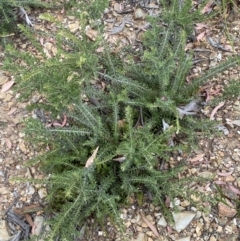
(182, 220)
(236, 122)
(162, 222)
(38, 221)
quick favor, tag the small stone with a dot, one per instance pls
(219, 229)
(144, 225)
(38, 221)
(91, 33)
(149, 218)
(21, 135)
(212, 238)
(229, 178)
(184, 239)
(141, 237)
(162, 222)
(236, 108)
(206, 219)
(71, 17)
(205, 174)
(238, 182)
(185, 203)
(182, 220)
(226, 210)
(199, 228)
(139, 14)
(117, 7)
(152, 207)
(237, 103)
(198, 215)
(2, 95)
(73, 27)
(42, 193)
(22, 147)
(28, 173)
(30, 190)
(235, 157)
(213, 55)
(128, 224)
(223, 129)
(4, 190)
(8, 98)
(236, 122)
(228, 229)
(139, 229)
(3, 79)
(226, 72)
(149, 233)
(136, 219)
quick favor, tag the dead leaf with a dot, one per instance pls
(91, 158)
(207, 8)
(12, 111)
(41, 40)
(152, 227)
(166, 126)
(234, 189)
(167, 201)
(117, 7)
(200, 36)
(226, 210)
(219, 182)
(29, 220)
(62, 11)
(54, 51)
(64, 121)
(169, 230)
(189, 78)
(28, 209)
(91, 33)
(212, 42)
(199, 26)
(227, 48)
(224, 174)
(189, 109)
(49, 125)
(8, 143)
(23, 15)
(188, 46)
(100, 50)
(199, 157)
(7, 85)
(56, 124)
(120, 159)
(119, 28)
(220, 105)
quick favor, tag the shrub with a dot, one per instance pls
(123, 130)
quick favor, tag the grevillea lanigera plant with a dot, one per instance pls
(122, 126)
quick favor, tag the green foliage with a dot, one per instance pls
(9, 13)
(93, 10)
(232, 90)
(121, 122)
